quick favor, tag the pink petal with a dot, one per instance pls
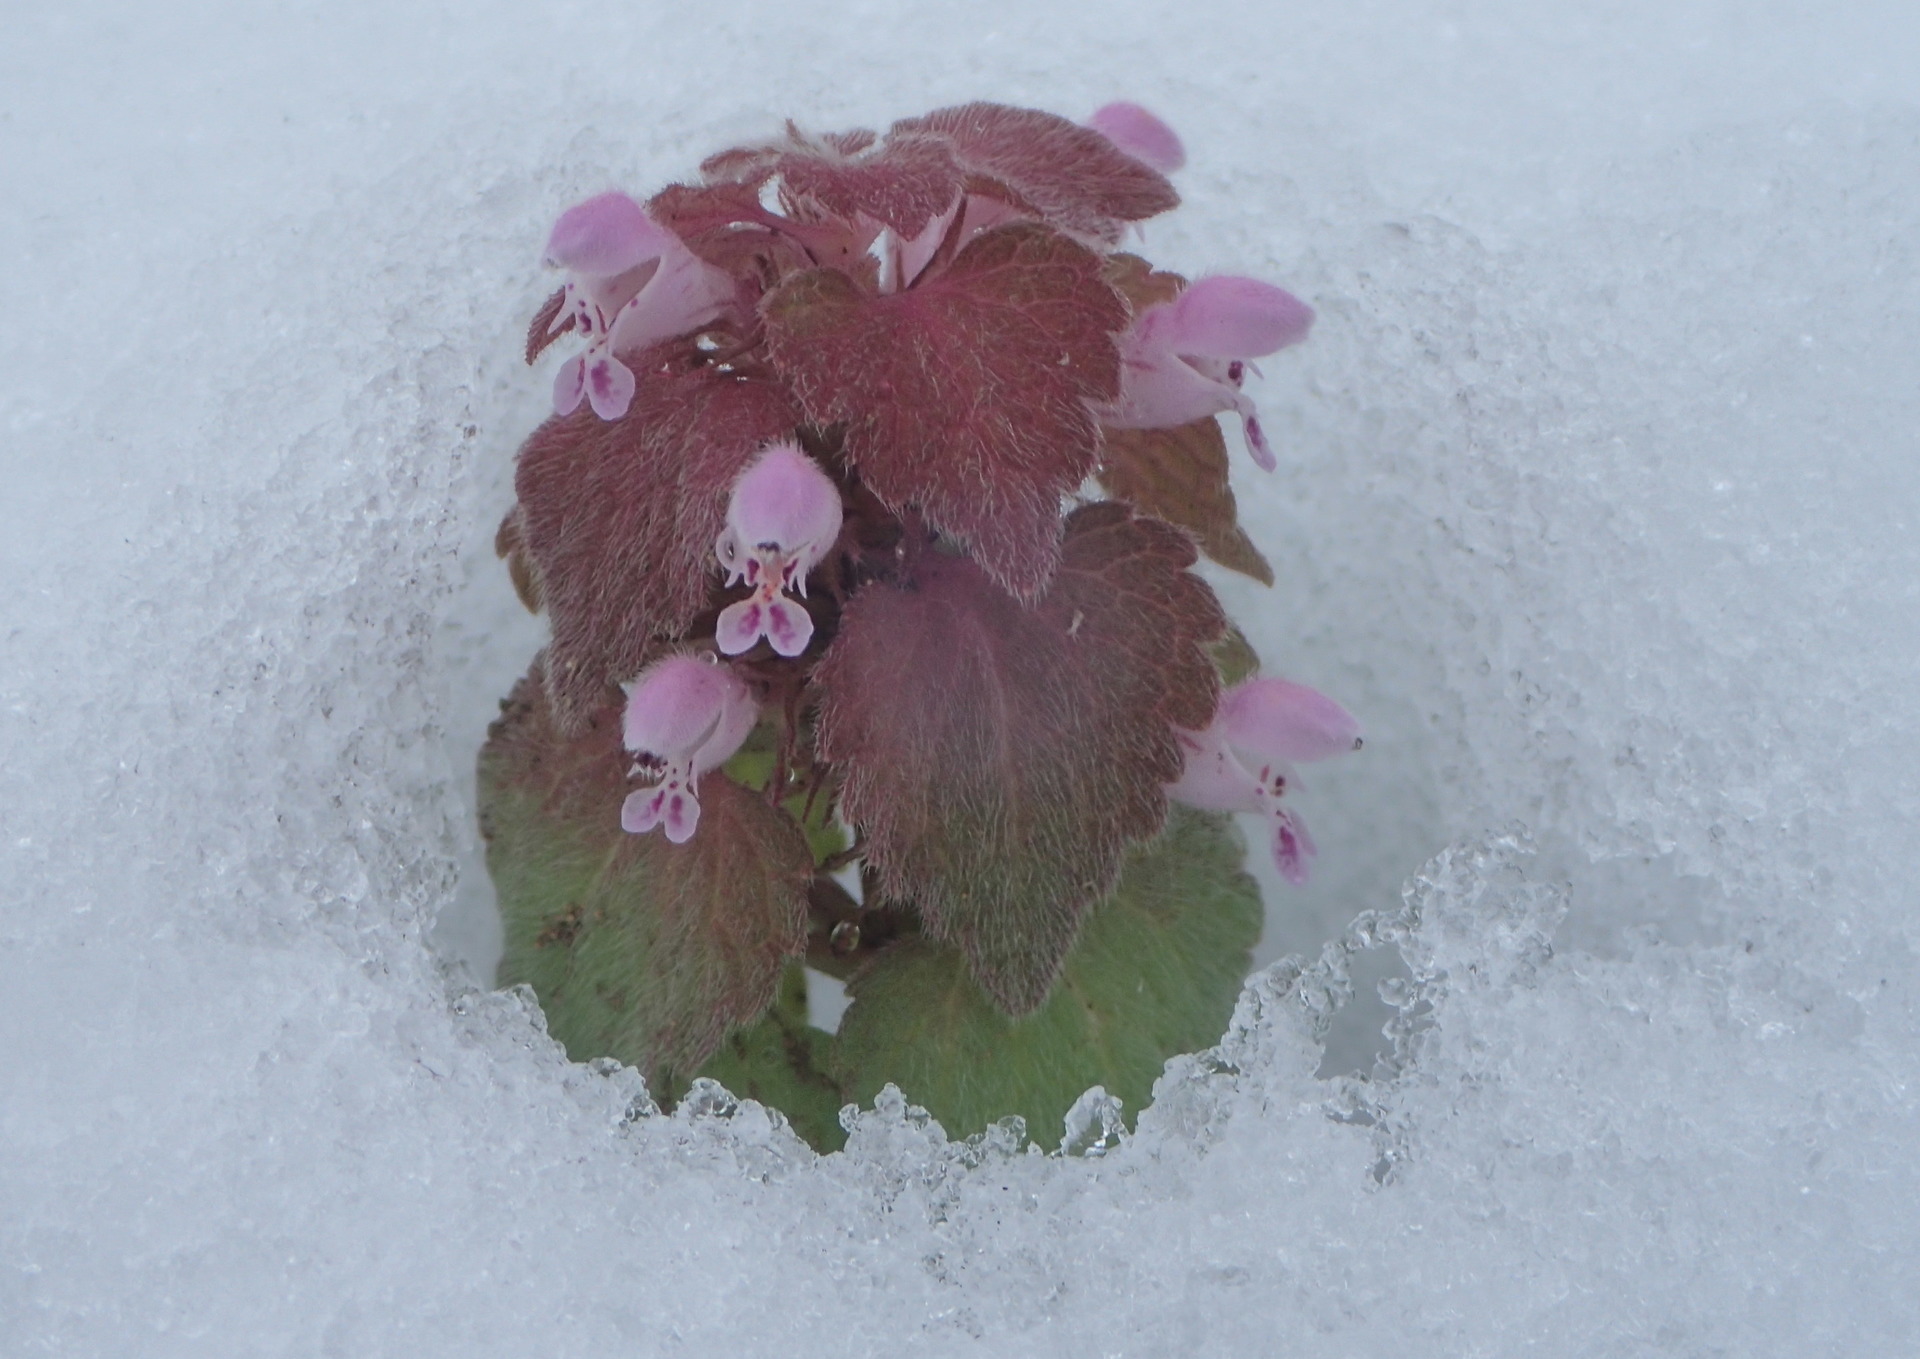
(916, 250)
(739, 627)
(569, 385)
(677, 705)
(1141, 135)
(1159, 390)
(604, 236)
(737, 720)
(789, 627)
(1213, 779)
(1293, 848)
(1234, 318)
(683, 294)
(733, 559)
(985, 212)
(682, 815)
(642, 810)
(1277, 720)
(784, 500)
(1257, 442)
(609, 386)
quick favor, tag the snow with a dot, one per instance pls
(1595, 504)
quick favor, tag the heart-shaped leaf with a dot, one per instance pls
(1155, 973)
(618, 518)
(967, 395)
(1180, 475)
(996, 758)
(638, 948)
(1073, 176)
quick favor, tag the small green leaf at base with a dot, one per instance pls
(1155, 973)
(639, 949)
(782, 1063)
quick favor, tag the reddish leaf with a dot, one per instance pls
(639, 949)
(619, 517)
(508, 544)
(967, 394)
(998, 759)
(1082, 182)
(1140, 283)
(540, 332)
(689, 210)
(1180, 475)
(725, 225)
(905, 182)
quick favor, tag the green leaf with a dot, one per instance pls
(998, 759)
(1155, 973)
(638, 948)
(782, 1062)
(1235, 657)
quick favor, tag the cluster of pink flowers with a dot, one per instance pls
(632, 283)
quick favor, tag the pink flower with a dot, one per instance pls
(1141, 135)
(783, 517)
(633, 284)
(689, 715)
(1186, 359)
(1244, 761)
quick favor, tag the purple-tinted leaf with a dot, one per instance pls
(1140, 283)
(998, 759)
(967, 394)
(639, 948)
(902, 183)
(510, 545)
(619, 518)
(1180, 475)
(905, 183)
(1077, 178)
(725, 225)
(541, 332)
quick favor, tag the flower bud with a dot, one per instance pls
(1141, 135)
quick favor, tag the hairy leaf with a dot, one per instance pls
(904, 182)
(619, 518)
(1072, 175)
(783, 1064)
(997, 759)
(508, 545)
(967, 394)
(1155, 973)
(1140, 283)
(725, 226)
(1179, 474)
(1235, 657)
(540, 331)
(638, 948)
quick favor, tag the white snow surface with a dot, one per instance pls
(1596, 503)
